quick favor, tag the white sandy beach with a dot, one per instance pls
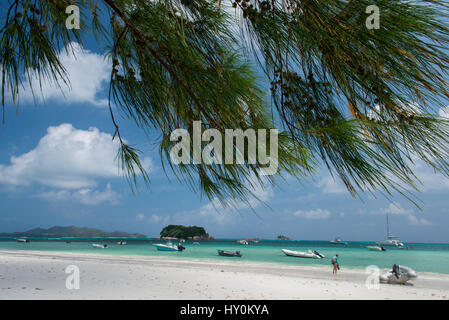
(41, 275)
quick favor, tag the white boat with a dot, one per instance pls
(244, 242)
(169, 247)
(101, 246)
(121, 243)
(196, 243)
(391, 241)
(405, 274)
(376, 248)
(22, 240)
(338, 241)
(299, 254)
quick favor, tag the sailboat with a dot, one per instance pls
(391, 241)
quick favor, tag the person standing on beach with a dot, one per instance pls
(335, 264)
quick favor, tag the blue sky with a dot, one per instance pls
(57, 168)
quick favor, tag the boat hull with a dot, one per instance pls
(405, 274)
(164, 247)
(376, 248)
(299, 254)
(224, 253)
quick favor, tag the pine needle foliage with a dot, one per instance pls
(362, 101)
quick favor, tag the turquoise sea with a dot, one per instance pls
(419, 256)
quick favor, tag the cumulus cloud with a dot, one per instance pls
(313, 214)
(413, 220)
(396, 209)
(87, 73)
(84, 196)
(215, 210)
(66, 158)
(159, 219)
(331, 185)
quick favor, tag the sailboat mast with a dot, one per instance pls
(388, 227)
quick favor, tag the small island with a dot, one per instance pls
(281, 237)
(184, 232)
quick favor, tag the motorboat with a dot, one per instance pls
(225, 253)
(338, 241)
(376, 248)
(169, 247)
(244, 242)
(404, 274)
(24, 240)
(100, 246)
(196, 243)
(309, 254)
(121, 243)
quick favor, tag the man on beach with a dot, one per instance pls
(335, 264)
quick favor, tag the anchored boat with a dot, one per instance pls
(100, 246)
(309, 254)
(169, 247)
(225, 253)
(338, 241)
(391, 241)
(376, 248)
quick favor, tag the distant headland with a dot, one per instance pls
(72, 232)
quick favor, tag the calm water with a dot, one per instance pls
(421, 257)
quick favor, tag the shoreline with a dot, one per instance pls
(235, 262)
(41, 275)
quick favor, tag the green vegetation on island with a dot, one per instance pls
(281, 237)
(72, 232)
(183, 232)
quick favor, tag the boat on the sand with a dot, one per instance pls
(404, 274)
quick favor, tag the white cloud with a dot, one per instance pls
(157, 219)
(84, 196)
(313, 214)
(215, 210)
(87, 73)
(418, 221)
(331, 185)
(140, 217)
(396, 209)
(66, 158)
